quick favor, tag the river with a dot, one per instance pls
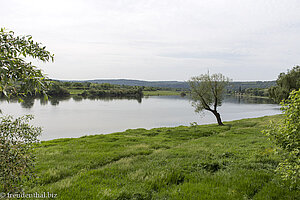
(70, 117)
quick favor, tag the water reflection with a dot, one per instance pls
(28, 102)
(248, 100)
(75, 117)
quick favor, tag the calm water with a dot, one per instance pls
(75, 118)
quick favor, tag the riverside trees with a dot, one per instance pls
(207, 93)
(19, 77)
(286, 83)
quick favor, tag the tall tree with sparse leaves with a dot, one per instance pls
(207, 93)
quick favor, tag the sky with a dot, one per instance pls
(160, 39)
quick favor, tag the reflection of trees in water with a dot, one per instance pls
(43, 101)
(54, 101)
(28, 102)
(248, 100)
(78, 98)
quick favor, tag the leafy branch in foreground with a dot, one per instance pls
(17, 76)
(286, 135)
(17, 139)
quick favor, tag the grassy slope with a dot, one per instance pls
(199, 162)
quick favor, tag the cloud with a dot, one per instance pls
(205, 55)
(161, 40)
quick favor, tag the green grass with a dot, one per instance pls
(234, 161)
(161, 93)
(75, 91)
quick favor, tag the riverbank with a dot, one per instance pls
(234, 161)
(163, 93)
(145, 93)
(250, 96)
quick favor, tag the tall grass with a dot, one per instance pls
(197, 162)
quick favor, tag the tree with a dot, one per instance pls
(286, 135)
(18, 77)
(16, 152)
(57, 91)
(286, 82)
(207, 93)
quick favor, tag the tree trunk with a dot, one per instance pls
(218, 116)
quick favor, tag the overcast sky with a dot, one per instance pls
(160, 39)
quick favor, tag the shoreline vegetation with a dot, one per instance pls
(235, 161)
(59, 89)
(247, 89)
(101, 89)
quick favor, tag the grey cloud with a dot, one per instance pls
(205, 55)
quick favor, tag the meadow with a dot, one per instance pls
(235, 161)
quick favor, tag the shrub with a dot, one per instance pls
(286, 135)
(17, 139)
(58, 91)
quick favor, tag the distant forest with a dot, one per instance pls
(232, 86)
(120, 88)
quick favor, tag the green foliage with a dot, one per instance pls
(17, 76)
(286, 82)
(94, 90)
(257, 92)
(17, 138)
(207, 91)
(57, 91)
(286, 135)
(234, 87)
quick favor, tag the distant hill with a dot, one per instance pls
(165, 84)
(181, 84)
(234, 86)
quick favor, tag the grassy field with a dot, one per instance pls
(234, 161)
(161, 93)
(75, 91)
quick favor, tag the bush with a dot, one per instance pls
(17, 139)
(286, 83)
(57, 91)
(286, 135)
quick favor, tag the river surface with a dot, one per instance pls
(70, 117)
